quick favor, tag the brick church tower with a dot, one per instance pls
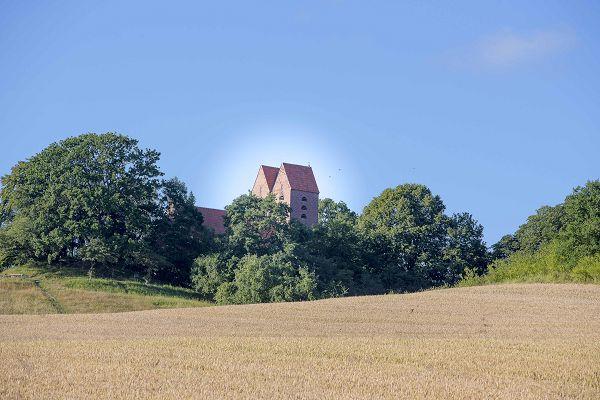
(292, 184)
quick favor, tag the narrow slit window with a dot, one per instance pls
(304, 207)
(303, 216)
(303, 198)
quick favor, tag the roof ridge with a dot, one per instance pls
(300, 177)
(211, 208)
(297, 165)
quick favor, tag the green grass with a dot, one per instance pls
(544, 266)
(51, 290)
(19, 296)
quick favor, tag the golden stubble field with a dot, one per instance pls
(509, 341)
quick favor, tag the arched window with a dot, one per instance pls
(303, 198)
(303, 216)
(304, 207)
(281, 197)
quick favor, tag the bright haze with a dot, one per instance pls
(493, 105)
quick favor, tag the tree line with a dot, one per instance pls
(556, 244)
(403, 241)
(100, 203)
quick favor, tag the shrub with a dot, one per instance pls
(558, 244)
(207, 274)
(548, 264)
(268, 278)
(225, 293)
(587, 270)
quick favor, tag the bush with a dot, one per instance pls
(225, 293)
(15, 246)
(548, 264)
(207, 274)
(587, 270)
(268, 278)
(557, 244)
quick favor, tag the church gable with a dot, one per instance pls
(282, 185)
(265, 180)
(270, 174)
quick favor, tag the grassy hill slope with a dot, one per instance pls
(40, 290)
(500, 341)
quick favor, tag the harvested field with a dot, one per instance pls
(508, 341)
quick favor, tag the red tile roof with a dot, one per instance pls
(270, 175)
(213, 219)
(300, 177)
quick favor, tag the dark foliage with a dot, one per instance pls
(403, 241)
(97, 201)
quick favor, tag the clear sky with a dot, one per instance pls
(493, 105)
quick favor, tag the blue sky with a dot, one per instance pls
(493, 105)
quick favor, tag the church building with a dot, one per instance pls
(292, 184)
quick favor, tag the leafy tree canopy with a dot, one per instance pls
(178, 236)
(540, 228)
(507, 245)
(404, 231)
(91, 194)
(255, 225)
(580, 232)
(98, 200)
(560, 243)
(465, 248)
(335, 251)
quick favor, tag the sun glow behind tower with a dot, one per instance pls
(270, 145)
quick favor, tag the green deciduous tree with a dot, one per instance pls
(404, 231)
(409, 242)
(336, 253)
(465, 248)
(259, 258)
(16, 242)
(256, 225)
(507, 245)
(178, 236)
(211, 271)
(268, 278)
(580, 234)
(557, 244)
(89, 195)
(540, 228)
